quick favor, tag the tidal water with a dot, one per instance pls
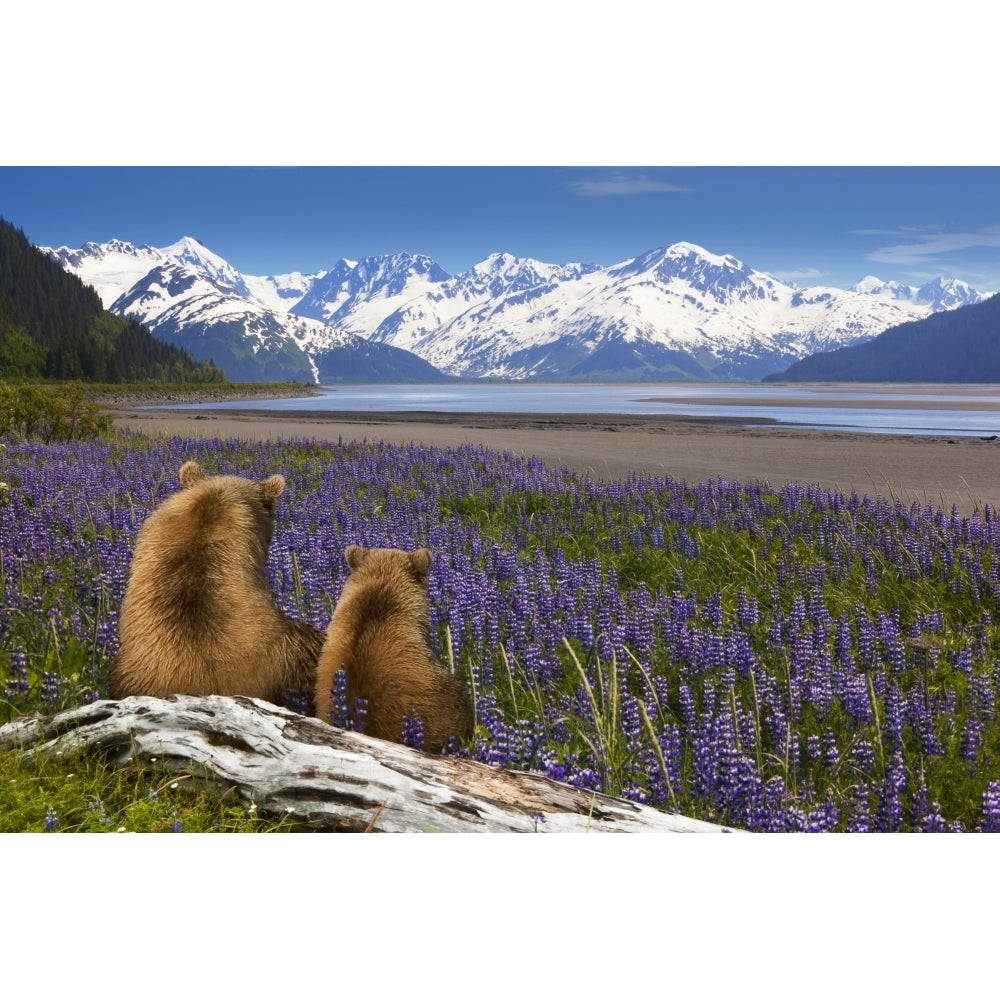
(959, 410)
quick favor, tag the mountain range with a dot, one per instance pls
(676, 312)
(957, 345)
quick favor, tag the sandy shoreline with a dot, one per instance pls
(959, 471)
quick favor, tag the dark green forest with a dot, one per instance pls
(960, 345)
(53, 326)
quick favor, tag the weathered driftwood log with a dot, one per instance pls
(333, 779)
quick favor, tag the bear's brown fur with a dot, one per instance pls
(379, 635)
(198, 616)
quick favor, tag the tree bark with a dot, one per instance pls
(328, 777)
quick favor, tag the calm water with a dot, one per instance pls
(972, 410)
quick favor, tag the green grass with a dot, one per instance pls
(80, 793)
(97, 390)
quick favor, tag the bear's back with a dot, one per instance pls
(379, 635)
(198, 615)
(196, 548)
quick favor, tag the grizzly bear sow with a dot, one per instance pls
(198, 617)
(379, 635)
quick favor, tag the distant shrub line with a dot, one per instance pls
(50, 413)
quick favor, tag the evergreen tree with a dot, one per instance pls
(54, 326)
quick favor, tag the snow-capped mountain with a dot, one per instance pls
(356, 296)
(201, 312)
(677, 311)
(189, 296)
(674, 312)
(939, 294)
(500, 278)
(110, 268)
(197, 258)
(279, 292)
(113, 268)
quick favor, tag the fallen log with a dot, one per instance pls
(328, 777)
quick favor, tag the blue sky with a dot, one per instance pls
(536, 103)
(809, 225)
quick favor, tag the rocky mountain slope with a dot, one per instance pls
(675, 312)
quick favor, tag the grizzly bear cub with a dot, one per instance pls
(379, 636)
(198, 616)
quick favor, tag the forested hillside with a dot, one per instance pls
(54, 326)
(960, 345)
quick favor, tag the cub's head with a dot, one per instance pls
(388, 583)
(394, 564)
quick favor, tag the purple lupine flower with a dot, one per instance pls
(859, 817)
(824, 818)
(963, 661)
(971, 735)
(50, 688)
(634, 793)
(890, 807)
(893, 722)
(740, 789)
(991, 808)
(343, 715)
(413, 731)
(490, 593)
(985, 696)
(297, 699)
(932, 821)
(862, 758)
(339, 715)
(831, 752)
(17, 681)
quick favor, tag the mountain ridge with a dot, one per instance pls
(955, 345)
(677, 311)
(191, 297)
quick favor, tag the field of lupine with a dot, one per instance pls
(775, 659)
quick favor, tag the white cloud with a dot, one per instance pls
(617, 185)
(924, 245)
(806, 274)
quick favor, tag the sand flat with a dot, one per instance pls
(960, 471)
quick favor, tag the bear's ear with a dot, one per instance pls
(420, 561)
(191, 473)
(355, 555)
(272, 488)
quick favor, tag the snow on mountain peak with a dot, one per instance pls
(682, 250)
(514, 317)
(679, 260)
(110, 268)
(947, 293)
(499, 261)
(868, 284)
(189, 246)
(939, 293)
(189, 251)
(356, 297)
(393, 271)
(716, 277)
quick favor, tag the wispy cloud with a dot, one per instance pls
(805, 274)
(920, 246)
(617, 185)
